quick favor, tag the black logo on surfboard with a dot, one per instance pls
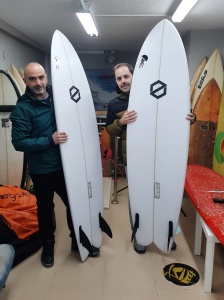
(75, 94)
(158, 89)
(57, 62)
(202, 79)
(143, 59)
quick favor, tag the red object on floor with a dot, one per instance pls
(202, 186)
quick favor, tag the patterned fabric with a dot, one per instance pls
(202, 186)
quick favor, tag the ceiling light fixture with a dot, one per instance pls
(183, 9)
(88, 23)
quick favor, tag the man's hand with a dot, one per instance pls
(128, 117)
(191, 117)
(59, 137)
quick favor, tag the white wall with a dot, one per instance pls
(199, 44)
(18, 53)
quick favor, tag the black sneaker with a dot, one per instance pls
(174, 246)
(95, 251)
(47, 256)
(139, 248)
(74, 246)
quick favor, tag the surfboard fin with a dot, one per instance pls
(84, 240)
(170, 234)
(104, 226)
(135, 226)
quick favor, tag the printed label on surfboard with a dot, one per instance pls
(90, 190)
(5, 122)
(157, 190)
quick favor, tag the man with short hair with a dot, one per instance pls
(34, 132)
(118, 117)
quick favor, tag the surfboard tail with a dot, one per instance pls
(135, 226)
(84, 240)
(104, 226)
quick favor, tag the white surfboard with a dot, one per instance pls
(157, 142)
(213, 69)
(12, 70)
(81, 158)
(21, 72)
(11, 161)
(196, 76)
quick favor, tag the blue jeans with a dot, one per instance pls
(7, 254)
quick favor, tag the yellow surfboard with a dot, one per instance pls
(21, 72)
(12, 70)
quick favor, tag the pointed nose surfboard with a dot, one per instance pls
(81, 157)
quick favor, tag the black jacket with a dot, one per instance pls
(116, 109)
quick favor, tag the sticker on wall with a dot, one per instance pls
(181, 274)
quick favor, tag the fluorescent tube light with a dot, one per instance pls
(88, 23)
(183, 9)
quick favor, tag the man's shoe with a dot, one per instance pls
(47, 256)
(95, 252)
(139, 249)
(174, 246)
(74, 248)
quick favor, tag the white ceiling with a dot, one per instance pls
(123, 24)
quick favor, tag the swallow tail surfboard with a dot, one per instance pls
(81, 157)
(157, 142)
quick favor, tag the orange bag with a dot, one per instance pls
(19, 210)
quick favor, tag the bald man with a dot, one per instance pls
(34, 132)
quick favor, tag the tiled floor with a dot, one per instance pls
(119, 272)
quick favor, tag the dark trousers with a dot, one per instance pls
(44, 186)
